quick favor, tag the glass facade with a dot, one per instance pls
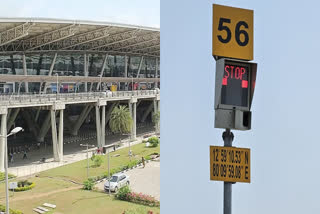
(72, 64)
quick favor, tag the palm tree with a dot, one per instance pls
(121, 122)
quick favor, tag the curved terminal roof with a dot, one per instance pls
(34, 35)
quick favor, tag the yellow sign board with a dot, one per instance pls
(229, 164)
(232, 32)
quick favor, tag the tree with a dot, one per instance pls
(121, 120)
(156, 121)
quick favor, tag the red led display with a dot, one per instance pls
(234, 72)
(224, 81)
(235, 85)
(244, 84)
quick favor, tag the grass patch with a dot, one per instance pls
(78, 171)
(2, 176)
(81, 201)
(43, 185)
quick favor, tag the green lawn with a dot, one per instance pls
(78, 171)
(76, 200)
(43, 185)
(80, 201)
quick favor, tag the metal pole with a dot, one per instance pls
(109, 169)
(227, 137)
(87, 162)
(6, 170)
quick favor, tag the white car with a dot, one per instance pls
(117, 181)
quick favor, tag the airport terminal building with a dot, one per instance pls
(68, 75)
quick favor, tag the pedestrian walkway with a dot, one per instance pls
(72, 153)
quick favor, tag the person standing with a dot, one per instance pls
(11, 157)
(143, 162)
(25, 155)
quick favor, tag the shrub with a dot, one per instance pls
(97, 160)
(88, 184)
(3, 209)
(122, 193)
(2, 176)
(142, 199)
(139, 210)
(154, 141)
(26, 186)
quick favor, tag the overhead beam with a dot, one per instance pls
(15, 33)
(50, 37)
(83, 38)
(114, 39)
(145, 48)
(135, 44)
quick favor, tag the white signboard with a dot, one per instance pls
(13, 185)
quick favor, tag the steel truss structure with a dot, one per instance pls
(19, 35)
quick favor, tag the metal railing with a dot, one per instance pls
(45, 98)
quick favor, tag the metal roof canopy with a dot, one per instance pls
(34, 35)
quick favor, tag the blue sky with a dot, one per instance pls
(284, 138)
(138, 12)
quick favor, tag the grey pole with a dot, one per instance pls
(109, 169)
(6, 165)
(87, 162)
(227, 137)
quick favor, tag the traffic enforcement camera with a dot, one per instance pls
(234, 87)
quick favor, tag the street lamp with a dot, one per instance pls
(87, 145)
(13, 131)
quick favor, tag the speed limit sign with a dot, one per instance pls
(232, 32)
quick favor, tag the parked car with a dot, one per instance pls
(117, 181)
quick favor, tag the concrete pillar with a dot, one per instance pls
(85, 72)
(44, 128)
(37, 115)
(103, 126)
(34, 128)
(54, 135)
(50, 72)
(98, 126)
(155, 108)
(81, 119)
(57, 141)
(3, 140)
(8, 114)
(25, 72)
(12, 118)
(147, 112)
(60, 143)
